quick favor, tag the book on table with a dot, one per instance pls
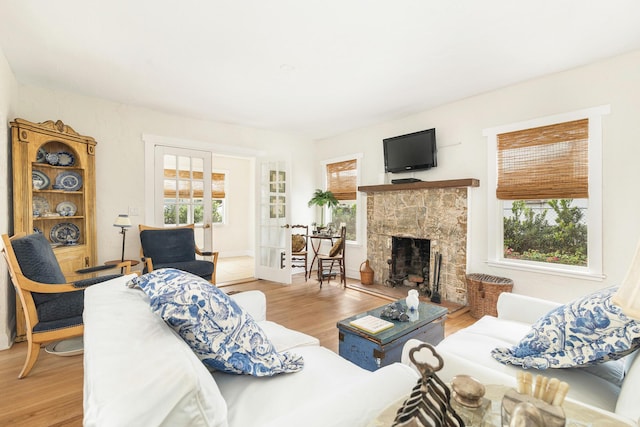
(371, 324)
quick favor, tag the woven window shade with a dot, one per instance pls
(341, 179)
(217, 184)
(548, 162)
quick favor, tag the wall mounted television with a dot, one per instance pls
(410, 152)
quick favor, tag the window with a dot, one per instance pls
(342, 180)
(546, 211)
(217, 197)
(183, 195)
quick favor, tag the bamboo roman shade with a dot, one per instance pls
(188, 181)
(217, 186)
(548, 162)
(341, 179)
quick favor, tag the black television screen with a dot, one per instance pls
(414, 151)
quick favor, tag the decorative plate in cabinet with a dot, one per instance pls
(40, 180)
(66, 209)
(65, 233)
(69, 181)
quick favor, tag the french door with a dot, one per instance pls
(273, 242)
(182, 191)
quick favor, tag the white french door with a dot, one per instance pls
(273, 243)
(182, 191)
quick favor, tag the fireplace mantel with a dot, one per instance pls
(450, 183)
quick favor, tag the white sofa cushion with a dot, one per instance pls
(587, 331)
(219, 331)
(284, 339)
(329, 391)
(628, 399)
(136, 370)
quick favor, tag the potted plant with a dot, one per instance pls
(322, 198)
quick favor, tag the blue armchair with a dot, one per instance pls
(175, 248)
(52, 307)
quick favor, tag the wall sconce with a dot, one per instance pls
(123, 222)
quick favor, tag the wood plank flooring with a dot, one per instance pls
(52, 394)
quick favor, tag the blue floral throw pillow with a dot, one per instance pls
(588, 331)
(220, 333)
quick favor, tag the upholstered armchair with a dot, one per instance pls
(175, 248)
(52, 307)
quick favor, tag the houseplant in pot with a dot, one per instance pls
(323, 198)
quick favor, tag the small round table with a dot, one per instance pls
(117, 261)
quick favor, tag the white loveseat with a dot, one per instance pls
(139, 372)
(611, 386)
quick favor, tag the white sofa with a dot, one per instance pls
(611, 386)
(138, 372)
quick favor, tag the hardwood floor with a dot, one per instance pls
(52, 394)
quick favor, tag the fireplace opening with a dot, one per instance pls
(410, 262)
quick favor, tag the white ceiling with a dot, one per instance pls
(313, 68)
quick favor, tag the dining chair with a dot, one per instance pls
(299, 248)
(335, 256)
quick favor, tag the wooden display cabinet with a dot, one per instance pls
(54, 152)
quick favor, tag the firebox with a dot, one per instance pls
(410, 260)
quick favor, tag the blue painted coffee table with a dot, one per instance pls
(372, 351)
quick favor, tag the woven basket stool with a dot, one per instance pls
(483, 291)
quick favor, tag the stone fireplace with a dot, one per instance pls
(434, 211)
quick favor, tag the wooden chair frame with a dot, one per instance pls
(300, 259)
(340, 259)
(149, 262)
(24, 287)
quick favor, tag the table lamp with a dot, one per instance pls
(628, 295)
(123, 222)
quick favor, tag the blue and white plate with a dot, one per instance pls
(66, 209)
(65, 233)
(52, 158)
(40, 205)
(69, 181)
(40, 180)
(65, 159)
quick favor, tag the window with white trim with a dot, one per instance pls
(342, 178)
(546, 209)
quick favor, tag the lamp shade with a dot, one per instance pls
(628, 294)
(122, 221)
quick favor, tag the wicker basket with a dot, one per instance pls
(483, 291)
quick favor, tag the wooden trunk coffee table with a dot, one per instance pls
(372, 351)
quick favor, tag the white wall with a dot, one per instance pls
(463, 154)
(8, 95)
(236, 237)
